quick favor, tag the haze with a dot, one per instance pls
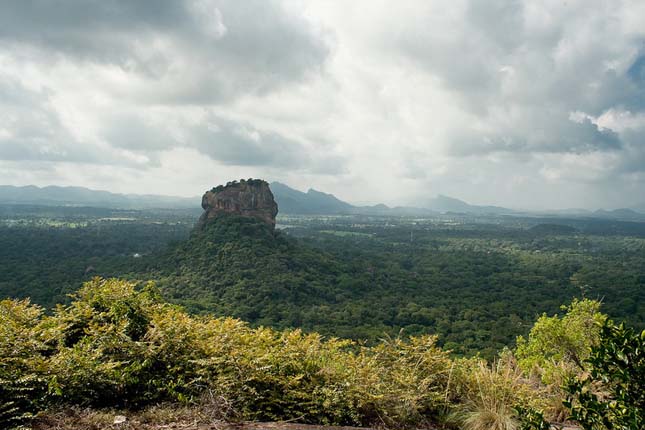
(529, 104)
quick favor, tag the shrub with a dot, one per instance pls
(492, 395)
(121, 346)
(557, 348)
(400, 382)
(22, 369)
(618, 369)
(561, 344)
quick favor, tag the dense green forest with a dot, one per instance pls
(475, 282)
(47, 252)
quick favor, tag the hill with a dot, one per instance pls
(79, 196)
(239, 266)
(314, 202)
(443, 203)
(476, 285)
(619, 214)
(291, 201)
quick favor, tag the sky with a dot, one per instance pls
(525, 104)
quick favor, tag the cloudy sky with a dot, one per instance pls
(527, 104)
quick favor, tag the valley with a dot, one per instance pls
(365, 319)
(475, 281)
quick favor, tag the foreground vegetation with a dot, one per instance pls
(119, 344)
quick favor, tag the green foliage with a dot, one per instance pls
(610, 394)
(120, 345)
(557, 347)
(556, 350)
(401, 381)
(532, 419)
(47, 259)
(477, 287)
(126, 346)
(492, 397)
(477, 284)
(613, 394)
(22, 376)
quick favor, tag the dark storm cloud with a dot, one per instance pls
(634, 161)
(232, 143)
(30, 129)
(240, 144)
(171, 53)
(134, 132)
(545, 135)
(198, 51)
(522, 73)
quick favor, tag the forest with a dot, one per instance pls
(453, 321)
(475, 282)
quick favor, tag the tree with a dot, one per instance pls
(557, 347)
(613, 395)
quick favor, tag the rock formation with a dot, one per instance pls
(250, 198)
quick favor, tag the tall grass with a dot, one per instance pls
(489, 395)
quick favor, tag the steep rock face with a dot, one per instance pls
(250, 198)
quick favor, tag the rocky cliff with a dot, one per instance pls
(250, 198)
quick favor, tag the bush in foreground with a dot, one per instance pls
(618, 368)
(22, 364)
(119, 345)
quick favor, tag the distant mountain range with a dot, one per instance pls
(290, 201)
(312, 202)
(79, 196)
(316, 202)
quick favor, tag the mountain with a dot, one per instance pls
(247, 198)
(568, 212)
(443, 203)
(619, 214)
(314, 202)
(79, 196)
(292, 201)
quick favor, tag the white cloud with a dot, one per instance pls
(518, 103)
